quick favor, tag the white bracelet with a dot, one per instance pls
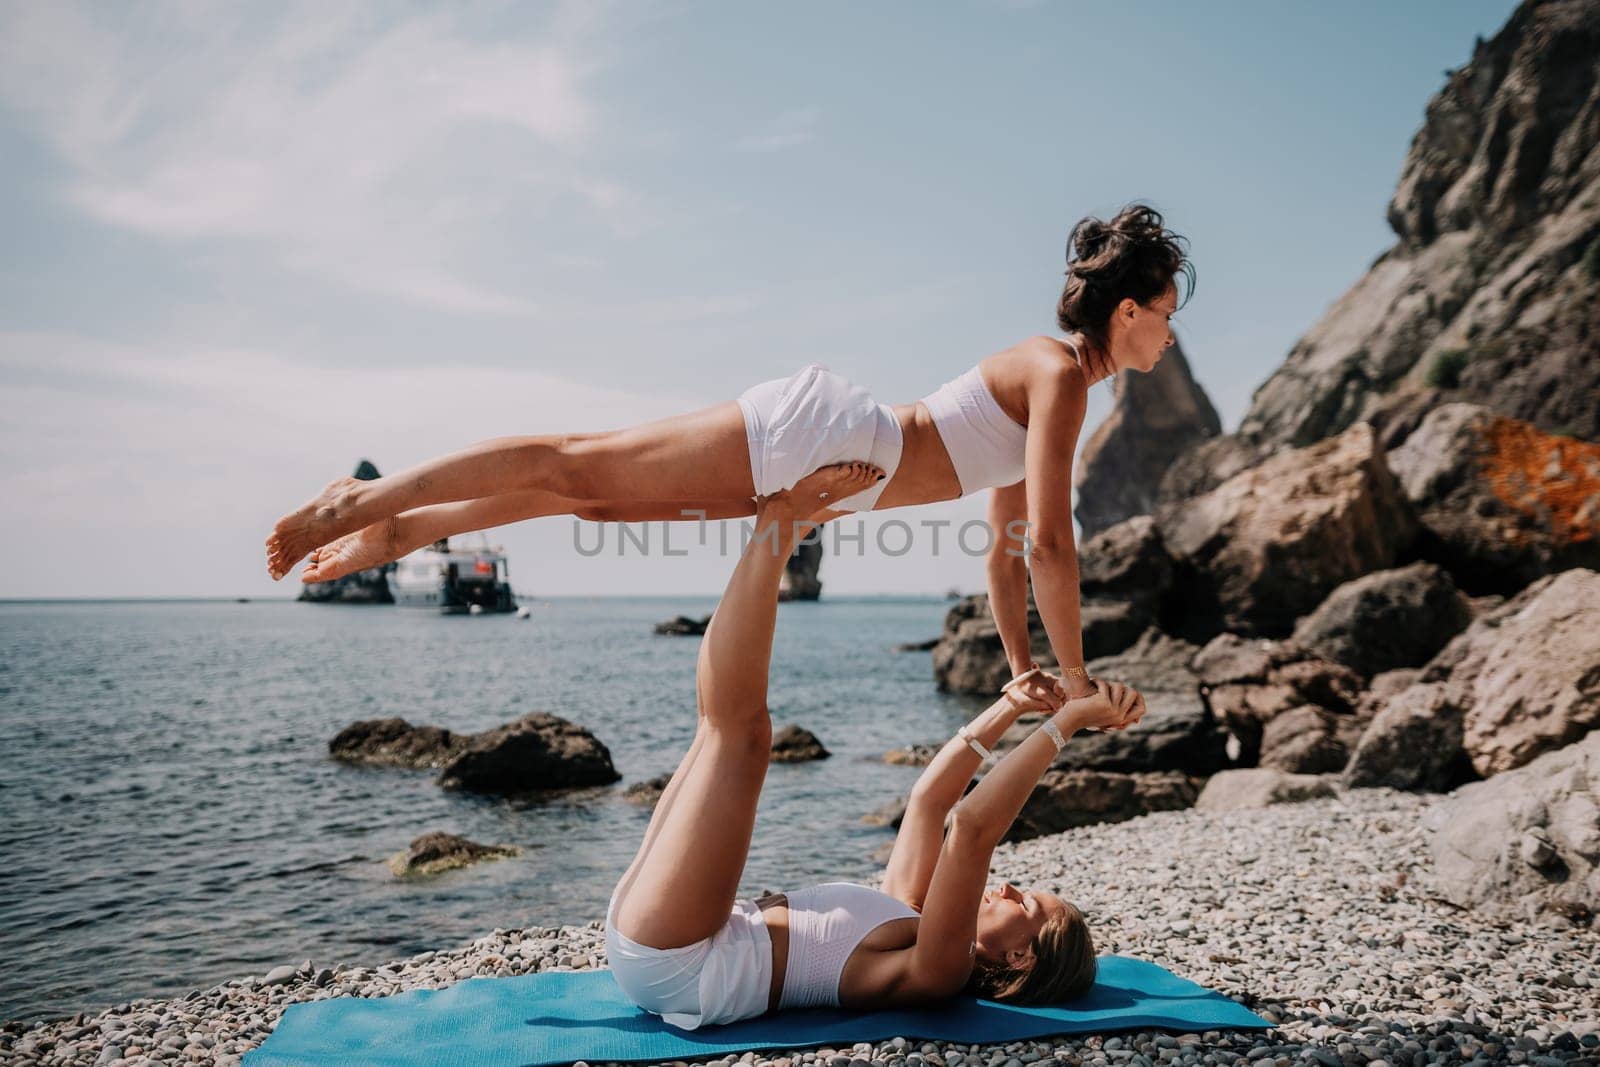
(1050, 731)
(973, 743)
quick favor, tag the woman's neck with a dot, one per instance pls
(1096, 366)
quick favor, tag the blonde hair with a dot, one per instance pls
(1063, 966)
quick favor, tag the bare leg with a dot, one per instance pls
(682, 884)
(389, 539)
(701, 456)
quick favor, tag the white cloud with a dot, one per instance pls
(347, 144)
(788, 130)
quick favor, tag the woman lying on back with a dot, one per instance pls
(684, 946)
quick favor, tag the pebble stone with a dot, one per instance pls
(1317, 915)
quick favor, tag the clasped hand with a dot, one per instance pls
(1112, 705)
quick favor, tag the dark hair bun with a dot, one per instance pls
(1132, 256)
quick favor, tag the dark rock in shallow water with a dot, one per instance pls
(916, 646)
(912, 755)
(1501, 504)
(647, 793)
(795, 744)
(1258, 787)
(1066, 799)
(1268, 545)
(538, 751)
(396, 743)
(1387, 620)
(1524, 842)
(435, 852)
(683, 626)
(1156, 418)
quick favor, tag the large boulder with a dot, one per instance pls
(1387, 620)
(1500, 502)
(1266, 546)
(1492, 290)
(1528, 674)
(1304, 740)
(536, 752)
(1156, 418)
(1258, 787)
(1177, 733)
(1063, 800)
(1207, 465)
(1249, 682)
(395, 742)
(1413, 743)
(1526, 842)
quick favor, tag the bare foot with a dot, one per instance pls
(370, 546)
(317, 522)
(826, 486)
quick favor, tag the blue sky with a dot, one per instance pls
(245, 248)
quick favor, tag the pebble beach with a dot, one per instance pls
(1320, 916)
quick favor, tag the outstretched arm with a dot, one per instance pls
(941, 959)
(916, 847)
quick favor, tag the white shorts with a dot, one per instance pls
(814, 418)
(718, 979)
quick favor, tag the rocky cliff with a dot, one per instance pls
(1490, 292)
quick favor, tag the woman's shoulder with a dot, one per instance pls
(1034, 358)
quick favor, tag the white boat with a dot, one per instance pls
(455, 578)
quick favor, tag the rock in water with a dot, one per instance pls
(538, 751)
(796, 744)
(647, 794)
(1157, 417)
(1492, 292)
(1266, 546)
(683, 626)
(1524, 842)
(1501, 503)
(435, 852)
(800, 580)
(396, 743)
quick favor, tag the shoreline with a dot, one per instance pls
(1316, 915)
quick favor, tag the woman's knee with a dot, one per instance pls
(748, 728)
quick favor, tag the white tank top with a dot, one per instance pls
(826, 923)
(985, 444)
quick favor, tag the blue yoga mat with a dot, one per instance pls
(562, 1016)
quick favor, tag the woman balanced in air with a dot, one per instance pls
(1009, 424)
(683, 945)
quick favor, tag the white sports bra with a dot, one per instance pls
(826, 923)
(986, 445)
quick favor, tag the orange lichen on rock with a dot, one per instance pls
(1555, 480)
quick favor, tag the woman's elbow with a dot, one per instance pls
(1053, 550)
(971, 829)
